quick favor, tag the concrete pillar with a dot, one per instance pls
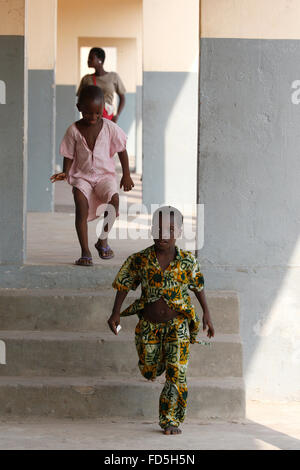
(139, 130)
(42, 18)
(13, 131)
(170, 100)
(139, 97)
(249, 180)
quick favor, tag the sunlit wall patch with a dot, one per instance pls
(2, 92)
(2, 352)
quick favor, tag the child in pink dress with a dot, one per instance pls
(88, 148)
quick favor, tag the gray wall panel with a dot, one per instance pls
(249, 183)
(127, 121)
(139, 136)
(12, 226)
(66, 114)
(41, 141)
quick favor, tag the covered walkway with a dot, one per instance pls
(212, 118)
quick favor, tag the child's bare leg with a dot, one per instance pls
(102, 244)
(81, 216)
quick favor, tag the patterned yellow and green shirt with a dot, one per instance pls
(172, 285)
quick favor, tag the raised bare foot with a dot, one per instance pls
(172, 430)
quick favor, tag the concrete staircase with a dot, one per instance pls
(62, 360)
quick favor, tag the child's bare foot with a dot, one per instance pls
(172, 430)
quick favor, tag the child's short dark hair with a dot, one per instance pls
(98, 53)
(90, 93)
(170, 212)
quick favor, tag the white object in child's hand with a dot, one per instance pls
(119, 328)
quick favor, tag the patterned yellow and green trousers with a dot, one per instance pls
(164, 347)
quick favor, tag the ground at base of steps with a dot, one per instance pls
(268, 426)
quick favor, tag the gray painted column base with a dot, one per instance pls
(41, 140)
(249, 183)
(12, 151)
(127, 122)
(66, 114)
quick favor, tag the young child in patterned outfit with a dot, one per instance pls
(168, 322)
(88, 148)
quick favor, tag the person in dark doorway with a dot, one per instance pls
(168, 322)
(109, 82)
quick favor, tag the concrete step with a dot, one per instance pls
(85, 397)
(84, 310)
(40, 353)
(53, 275)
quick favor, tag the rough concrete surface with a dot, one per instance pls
(269, 426)
(249, 184)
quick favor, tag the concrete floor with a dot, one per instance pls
(267, 427)
(52, 239)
